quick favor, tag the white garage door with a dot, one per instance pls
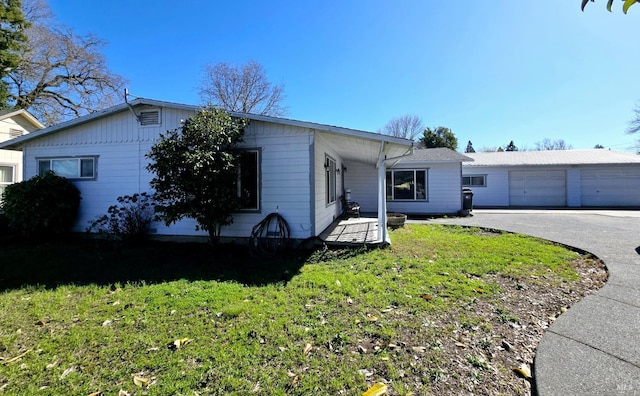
(538, 188)
(610, 187)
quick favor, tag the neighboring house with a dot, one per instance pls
(300, 167)
(556, 178)
(14, 123)
(425, 183)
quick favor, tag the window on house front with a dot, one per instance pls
(407, 185)
(249, 180)
(474, 181)
(71, 168)
(330, 172)
(7, 176)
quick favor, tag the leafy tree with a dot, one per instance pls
(196, 170)
(548, 144)
(598, 146)
(406, 126)
(511, 147)
(625, 5)
(439, 137)
(469, 148)
(61, 74)
(245, 89)
(12, 41)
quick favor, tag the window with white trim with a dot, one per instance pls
(7, 176)
(407, 185)
(474, 181)
(249, 180)
(330, 176)
(71, 168)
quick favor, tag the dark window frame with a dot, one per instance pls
(419, 192)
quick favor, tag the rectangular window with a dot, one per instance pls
(249, 180)
(7, 176)
(407, 185)
(71, 168)
(474, 181)
(330, 172)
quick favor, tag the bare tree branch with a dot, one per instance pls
(407, 126)
(548, 144)
(62, 75)
(634, 124)
(245, 89)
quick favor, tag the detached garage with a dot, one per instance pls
(562, 178)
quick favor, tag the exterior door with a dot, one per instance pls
(538, 188)
(610, 187)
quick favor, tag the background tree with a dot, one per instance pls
(625, 5)
(511, 147)
(196, 170)
(548, 144)
(407, 126)
(439, 137)
(598, 146)
(244, 89)
(469, 148)
(12, 41)
(634, 124)
(61, 74)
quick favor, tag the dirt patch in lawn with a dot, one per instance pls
(491, 343)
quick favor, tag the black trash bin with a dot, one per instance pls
(467, 201)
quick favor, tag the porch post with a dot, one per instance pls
(382, 197)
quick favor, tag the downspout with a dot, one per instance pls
(126, 94)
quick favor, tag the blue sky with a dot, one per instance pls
(492, 70)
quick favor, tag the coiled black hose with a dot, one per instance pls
(270, 236)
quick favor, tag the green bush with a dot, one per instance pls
(42, 207)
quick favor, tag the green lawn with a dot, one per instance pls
(88, 316)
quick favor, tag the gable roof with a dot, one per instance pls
(552, 157)
(4, 114)
(20, 141)
(439, 154)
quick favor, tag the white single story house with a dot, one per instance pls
(556, 178)
(426, 183)
(14, 123)
(301, 168)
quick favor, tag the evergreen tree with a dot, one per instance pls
(12, 40)
(470, 148)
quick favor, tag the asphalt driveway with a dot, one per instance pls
(594, 347)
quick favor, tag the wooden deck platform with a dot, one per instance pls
(352, 232)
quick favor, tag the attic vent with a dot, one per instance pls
(15, 133)
(149, 117)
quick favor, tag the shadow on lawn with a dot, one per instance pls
(81, 262)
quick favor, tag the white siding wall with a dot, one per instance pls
(11, 157)
(444, 190)
(362, 179)
(496, 192)
(121, 144)
(325, 213)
